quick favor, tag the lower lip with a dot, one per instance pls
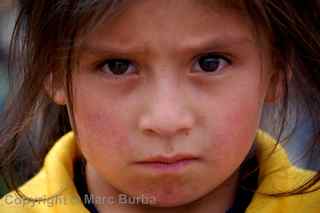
(170, 167)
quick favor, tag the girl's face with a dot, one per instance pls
(168, 98)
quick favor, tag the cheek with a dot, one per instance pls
(102, 130)
(232, 122)
(239, 121)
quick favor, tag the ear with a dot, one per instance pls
(59, 97)
(55, 92)
(276, 87)
(275, 90)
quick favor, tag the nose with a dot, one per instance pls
(168, 115)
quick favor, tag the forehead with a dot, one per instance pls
(172, 21)
(227, 4)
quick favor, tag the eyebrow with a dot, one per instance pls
(221, 42)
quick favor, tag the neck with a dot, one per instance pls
(218, 200)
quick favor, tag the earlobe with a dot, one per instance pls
(56, 94)
(276, 89)
(59, 97)
(274, 94)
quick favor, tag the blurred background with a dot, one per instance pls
(7, 16)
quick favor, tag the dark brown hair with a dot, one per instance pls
(44, 43)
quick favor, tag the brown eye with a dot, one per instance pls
(212, 63)
(117, 67)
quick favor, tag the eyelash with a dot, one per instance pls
(101, 66)
(133, 65)
(218, 56)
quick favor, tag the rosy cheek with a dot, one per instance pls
(102, 132)
(233, 131)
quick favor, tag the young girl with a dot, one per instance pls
(164, 100)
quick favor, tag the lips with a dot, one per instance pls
(169, 159)
(173, 164)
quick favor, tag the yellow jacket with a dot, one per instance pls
(55, 179)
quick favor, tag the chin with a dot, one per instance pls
(171, 199)
(172, 203)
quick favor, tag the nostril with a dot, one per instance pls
(167, 125)
(166, 130)
(149, 132)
